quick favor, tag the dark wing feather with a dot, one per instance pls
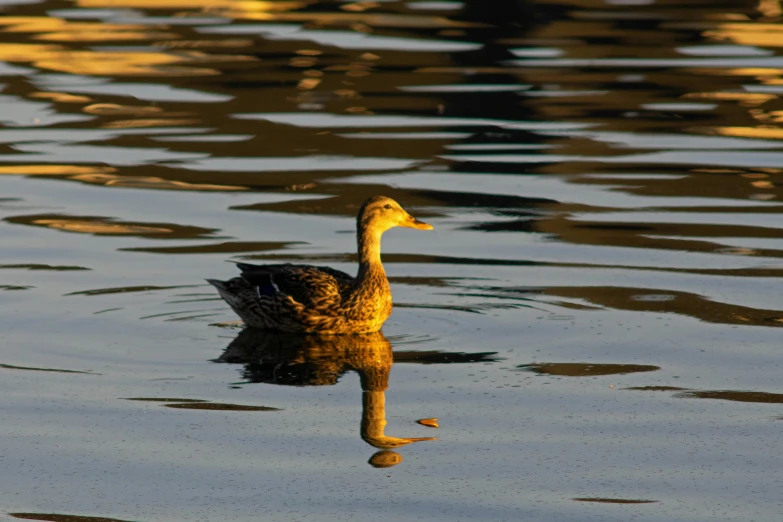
(312, 286)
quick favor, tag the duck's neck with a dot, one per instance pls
(369, 246)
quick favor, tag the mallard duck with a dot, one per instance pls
(319, 299)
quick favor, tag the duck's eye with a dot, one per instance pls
(387, 206)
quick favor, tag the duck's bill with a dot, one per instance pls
(420, 225)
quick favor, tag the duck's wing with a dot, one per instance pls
(312, 286)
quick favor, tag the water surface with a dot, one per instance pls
(604, 179)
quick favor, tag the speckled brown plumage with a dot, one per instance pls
(317, 299)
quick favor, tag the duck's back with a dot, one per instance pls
(314, 287)
(307, 299)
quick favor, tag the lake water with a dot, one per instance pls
(594, 322)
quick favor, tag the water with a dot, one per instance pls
(604, 179)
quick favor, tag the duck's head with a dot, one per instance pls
(382, 213)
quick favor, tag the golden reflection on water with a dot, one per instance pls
(96, 227)
(770, 8)
(326, 79)
(320, 360)
(150, 182)
(761, 34)
(131, 63)
(205, 5)
(57, 29)
(352, 20)
(114, 109)
(150, 122)
(110, 226)
(103, 175)
(767, 133)
(61, 97)
(116, 63)
(746, 99)
(55, 170)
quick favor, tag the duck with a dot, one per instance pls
(318, 299)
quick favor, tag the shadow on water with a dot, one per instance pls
(200, 404)
(723, 395)
(585, 369)
(615, 500)
(56, 517)
(312, 360)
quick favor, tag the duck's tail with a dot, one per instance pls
(239, 295)
(220, 285)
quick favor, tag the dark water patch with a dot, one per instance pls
(731, 395)
(35, 266)
(655, 388)
(437, 357)
(670, 301)
(684, 236)
(482, 200)
(152, 183)
(474, 309)
(519, 302)
(614, 500)
(407, 339)
(15, 287)
(191, 317)
(107, 310)
(585, 369)
(195, 298)
(348, 203)
(34, 369)
(217, 406)
(229, 247)
(526, 225)
(108, 226)
(54, 517)
(230, 325)
(758, 271)
(126, 289)
(181, 314)
(199, 404)
(436, 282)
(576, 306)
(161, 399)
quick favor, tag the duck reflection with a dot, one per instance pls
(301, 360)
